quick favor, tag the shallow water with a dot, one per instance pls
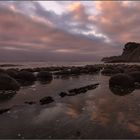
(96, 114)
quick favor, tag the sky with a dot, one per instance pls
(66, 30)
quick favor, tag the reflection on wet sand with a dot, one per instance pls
(97, 114)
(118, 112)
(49, 113)
(73, 110)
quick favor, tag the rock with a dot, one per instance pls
(62, 94)
(108, 71)
(131, 53)
(46, 100)
(28, 69)
(12, 72)
(29, 102)
(4, 110)
(6, 94)
(8, 83)
(26, 76)
(121, 81)
(64, 72)
(44, 75)
(121, 91)
(84, 89)
(136, 76)
(92, 68)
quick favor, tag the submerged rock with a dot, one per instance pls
(62, 94)
(29, 102)
(46, 100)
(121, 81)
(84, 89)
(4, 110)
(8, 83)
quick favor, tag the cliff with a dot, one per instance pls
(131, 53)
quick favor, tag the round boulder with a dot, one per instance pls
(26, 76)
(12, 72)
(121, 80)
(8, 83)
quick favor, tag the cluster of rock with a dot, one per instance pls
(12, 79)
(131, 53)
(119, 68)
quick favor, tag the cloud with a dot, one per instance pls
(81, 31)
(40, 36)
(118, 20)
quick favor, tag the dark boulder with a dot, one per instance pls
(8, 83)
(26, 76)
(12, 72)
(121, 81)
(46, 100)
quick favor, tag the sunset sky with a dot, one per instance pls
(66, 30)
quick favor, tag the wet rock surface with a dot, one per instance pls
(30, 102)
(121, 80)
(8, 83)
(46, 100)
(131, 53)
(6, 95)
(63, 94)
(24, 76)
(4, 110)
(84, 89)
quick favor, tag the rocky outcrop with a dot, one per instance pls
(131, 53)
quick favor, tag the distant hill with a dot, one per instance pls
(131, 53)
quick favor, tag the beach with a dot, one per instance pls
(98, 113)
